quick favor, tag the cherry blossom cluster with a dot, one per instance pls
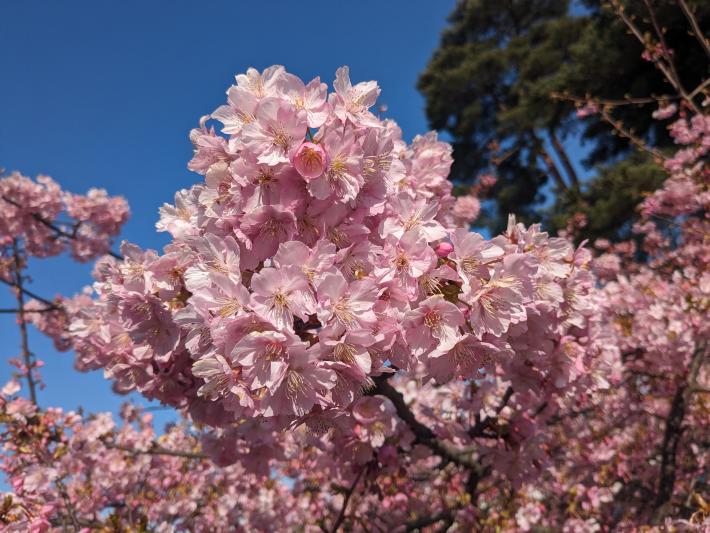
(319, 253)
(354, 356)
(50, 221)
(67, 472)
(636, 453)
(685, 191)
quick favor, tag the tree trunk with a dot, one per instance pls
(562, 154)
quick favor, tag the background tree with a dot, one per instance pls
(490, 82)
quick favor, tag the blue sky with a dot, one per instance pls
(99, 93)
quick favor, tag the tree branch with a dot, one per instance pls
(553, 170)
(478, 429)
(674, 429)
(31, 294)
(665, 69)
(613, 102)
(68, 504)
(341, 515)
(549, 163)
(422, 434)
(26, 354)
(619, 128)
(564, 158)
(419, 523)
(14, 311)
(59, 231)
(157, 450)
(696, 28)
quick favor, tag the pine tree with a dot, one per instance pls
(489, 86)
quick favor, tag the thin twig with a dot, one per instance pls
(696, 28)
(675, 224)
(664, 46)
(659, 64)
(31, 294)
(701, 86)
(619, 128)
(15, 311)
(68, 504)
(26, 354)
(157, 450)
(613, 102)
(59, 231)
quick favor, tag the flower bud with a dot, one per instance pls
(310, 160)
(443, 249)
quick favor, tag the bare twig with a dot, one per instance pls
(15, 311)
(664, 46)
(701, 87)
(694, 24)
(621, 130)
(31, 294)
(613, 102)
(665, 69)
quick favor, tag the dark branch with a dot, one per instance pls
(674, 429)
(13, 311)
(422, 434)
(56, 229)
(29, 293)
(341, 516)
(445, 515)
(478, 429)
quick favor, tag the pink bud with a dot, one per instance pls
(443, 249)
(310, 160)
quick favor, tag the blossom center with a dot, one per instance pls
(433, 319)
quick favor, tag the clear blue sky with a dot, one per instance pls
(103, 93)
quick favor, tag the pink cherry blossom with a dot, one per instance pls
(280, 293)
